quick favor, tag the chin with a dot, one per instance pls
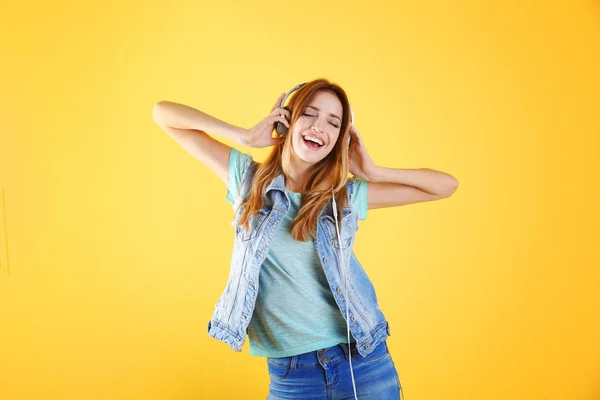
(309, 156)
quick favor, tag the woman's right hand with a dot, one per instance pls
(261, 135)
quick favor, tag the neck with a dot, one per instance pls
(298, 174)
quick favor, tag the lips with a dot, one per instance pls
(313, 136)
(311, 145)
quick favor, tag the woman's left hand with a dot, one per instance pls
(361, 163)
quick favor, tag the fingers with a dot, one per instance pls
(281, 119)
(271, 120)
(280, 111)
(354, 132)
(356, 140)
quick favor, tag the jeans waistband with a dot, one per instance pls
(332, 353)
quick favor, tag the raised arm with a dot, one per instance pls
(390, 187)
(189, 127)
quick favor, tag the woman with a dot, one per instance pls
(295, 219)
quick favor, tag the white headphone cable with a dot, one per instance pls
(345, 277)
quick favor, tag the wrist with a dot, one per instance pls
(241, 136)
(373, 173)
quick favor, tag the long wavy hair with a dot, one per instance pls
(330, 172)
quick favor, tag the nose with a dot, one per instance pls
(316, 128)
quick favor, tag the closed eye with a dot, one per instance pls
(309, 115)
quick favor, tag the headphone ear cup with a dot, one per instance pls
(281, 128)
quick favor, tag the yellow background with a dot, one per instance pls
(115, 243)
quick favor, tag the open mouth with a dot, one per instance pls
(312, 142)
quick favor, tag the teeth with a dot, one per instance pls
(314, 139)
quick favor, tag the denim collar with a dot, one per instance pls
(278, 183)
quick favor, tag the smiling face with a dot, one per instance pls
(317, 129)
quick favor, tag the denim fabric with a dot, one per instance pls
(325, 374)
(233, 311)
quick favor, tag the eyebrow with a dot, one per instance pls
(333, 115)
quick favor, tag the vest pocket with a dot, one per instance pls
(346, 230)
(254, 225)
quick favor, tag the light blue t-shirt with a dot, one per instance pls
(295, 311)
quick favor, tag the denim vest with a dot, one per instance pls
(233, 311)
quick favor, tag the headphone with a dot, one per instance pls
(282, 129)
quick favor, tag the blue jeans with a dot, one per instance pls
(325, 375)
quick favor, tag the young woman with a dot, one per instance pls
(295, 286)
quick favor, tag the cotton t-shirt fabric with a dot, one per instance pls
(295, 311)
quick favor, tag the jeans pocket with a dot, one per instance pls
(380, 352)
(278, 369)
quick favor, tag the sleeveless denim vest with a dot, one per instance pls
(233, 311)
